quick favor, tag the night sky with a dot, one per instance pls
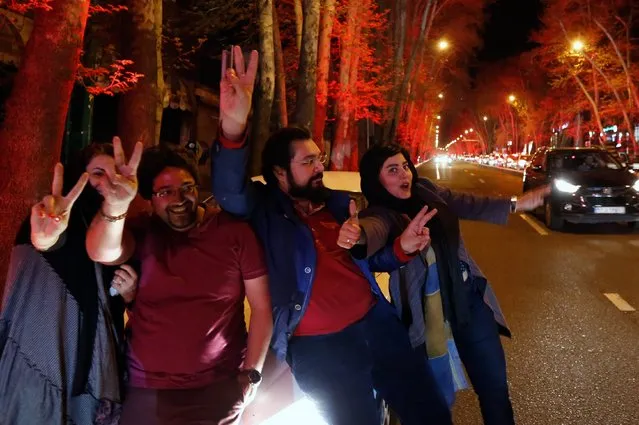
(508, 28)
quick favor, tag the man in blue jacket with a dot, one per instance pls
(342, 339)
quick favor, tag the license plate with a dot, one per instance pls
(610, 210)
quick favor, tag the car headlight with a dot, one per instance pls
(636, 186)
(564, 186)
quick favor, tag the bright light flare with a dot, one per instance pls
(578, 46)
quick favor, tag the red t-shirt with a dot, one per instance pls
(341, 294)
(187, 329)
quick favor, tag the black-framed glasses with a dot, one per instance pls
(172, 192)
(313, 160)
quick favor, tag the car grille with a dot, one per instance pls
(605, 191)
(606, 196)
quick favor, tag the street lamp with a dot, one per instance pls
(443, 44)
(485, 118)
(440, 95)
(578, 46)
(465, 131)
(470, 130)
(439, 117)
(512, 98)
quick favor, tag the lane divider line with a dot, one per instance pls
(619, 302)
(533, 223)
(481, 181)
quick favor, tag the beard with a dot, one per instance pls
(315, 193)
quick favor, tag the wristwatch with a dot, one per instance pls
(254, 376)
(513, 204)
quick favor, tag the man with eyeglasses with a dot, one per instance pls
(341, 337)
(189, 357)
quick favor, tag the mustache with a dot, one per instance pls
(319, 176)
(184, 203)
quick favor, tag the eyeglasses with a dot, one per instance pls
(311, 161)
(172, 192)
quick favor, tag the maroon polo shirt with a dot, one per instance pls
(187, 327)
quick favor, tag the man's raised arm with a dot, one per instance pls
(229, 155)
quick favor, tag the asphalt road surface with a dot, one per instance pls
(574, 355)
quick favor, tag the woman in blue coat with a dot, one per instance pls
(442, 296)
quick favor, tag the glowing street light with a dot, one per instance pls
(578, 46)
(470, 130)
(439, 117)
(512, 98)
(436, 126)
(485, 118)
(465, 131)
(443, 44)
(440, 95)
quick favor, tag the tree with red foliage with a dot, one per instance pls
(31, 136)
(361, 78)
(586, 47)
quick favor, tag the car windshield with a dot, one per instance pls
(583, 161)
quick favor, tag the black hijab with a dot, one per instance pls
(444, 226)
(72, 264)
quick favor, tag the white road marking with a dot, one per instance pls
(533, 223)
(619, 302)
(472, 174)
(481, 181)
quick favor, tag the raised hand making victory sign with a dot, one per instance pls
(50, 217)
(236, 91)
(123, 186)
(417, 236)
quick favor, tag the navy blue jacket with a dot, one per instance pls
(288, 242)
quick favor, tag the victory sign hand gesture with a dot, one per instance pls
(236, 91)
(50, 217)
(417, 236)
(123, 186)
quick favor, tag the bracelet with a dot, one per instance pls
(111, 218)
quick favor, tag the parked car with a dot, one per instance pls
(589, 185)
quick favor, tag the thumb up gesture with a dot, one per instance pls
(350, 232)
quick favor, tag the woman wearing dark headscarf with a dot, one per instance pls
(60, 332)
(442, 294)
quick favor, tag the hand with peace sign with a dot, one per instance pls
(417, 236)
(123, 186)
(50, 217)
(236, 92)
(350, 231)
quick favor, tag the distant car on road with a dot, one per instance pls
(588, 186)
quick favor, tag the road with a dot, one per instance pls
(574, 356)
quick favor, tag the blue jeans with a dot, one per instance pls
(342, 371)
(483, 356)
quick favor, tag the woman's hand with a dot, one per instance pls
(125, 282)
(417, 236)
(50, 217)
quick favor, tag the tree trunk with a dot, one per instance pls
(31, 138)
(341, 151)
(266, 85)
(632, 89)
(307, 76)
(280, 74)
(299, 24)
(140, 110)
(323, 66)
(419, 43)
(398, 62)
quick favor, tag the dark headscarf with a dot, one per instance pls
(444, 226)
(72, 264)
